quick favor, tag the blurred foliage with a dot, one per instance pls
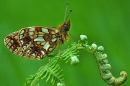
(105, 22)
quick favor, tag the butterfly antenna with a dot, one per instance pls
(66, 16)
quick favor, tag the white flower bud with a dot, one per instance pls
(83, 37)
(104, 56)
(94, 46)
(101, 48)
(74, 60)
(60, 84)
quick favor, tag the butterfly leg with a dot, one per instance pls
(59, 53)
(59, 49)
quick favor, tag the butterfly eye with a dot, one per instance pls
(66, 27)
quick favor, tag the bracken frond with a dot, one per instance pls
(51, 71)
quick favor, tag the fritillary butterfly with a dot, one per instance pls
(37, 42)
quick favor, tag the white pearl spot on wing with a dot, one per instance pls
(39, 39)
(22, 32)
(24, 47)
(30, 33)
(45, 30)
(46, 46)
(31, 29)
(28, 51)
(54, 39)
(42, 52)
(33, 54)
(21, 36)
(50, 49)
(21, 41)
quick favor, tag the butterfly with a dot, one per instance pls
(37, 42)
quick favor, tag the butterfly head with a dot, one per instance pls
(66, 25)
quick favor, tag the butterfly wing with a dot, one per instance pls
(32, 42)
(11, 41)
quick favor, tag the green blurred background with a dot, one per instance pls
(106, 22)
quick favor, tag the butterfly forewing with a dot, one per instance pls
(32, 42)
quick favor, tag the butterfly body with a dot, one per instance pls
(37, 42)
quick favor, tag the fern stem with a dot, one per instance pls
(105, 72)
(104, 67)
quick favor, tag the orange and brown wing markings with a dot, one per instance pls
(12, 42)
(26, 40)
(37, 42)
(38, 29)
(47, 37)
